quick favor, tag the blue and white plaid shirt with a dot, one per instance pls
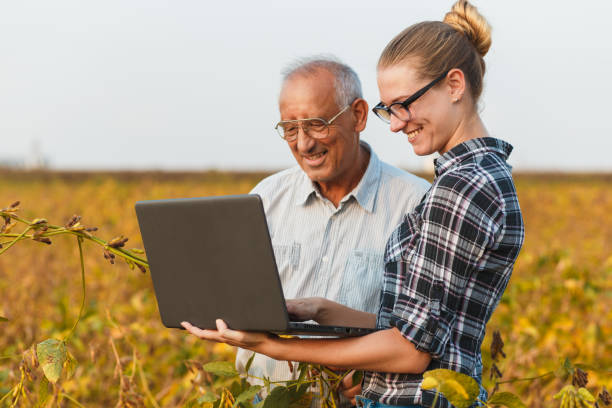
(336, 253)
(447, 266)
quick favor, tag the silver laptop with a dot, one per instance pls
(212, 258)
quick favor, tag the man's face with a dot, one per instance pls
(325, 160)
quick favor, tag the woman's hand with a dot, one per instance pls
(247, 340)
(348, 389)
(303, 309)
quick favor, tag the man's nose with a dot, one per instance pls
(304, 142)
(396, 124)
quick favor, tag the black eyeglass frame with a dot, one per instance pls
(406, 103)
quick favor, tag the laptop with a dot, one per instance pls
(211, 258)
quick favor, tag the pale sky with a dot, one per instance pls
(194, 84)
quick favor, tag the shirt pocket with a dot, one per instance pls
(287, 261)
(362, 281)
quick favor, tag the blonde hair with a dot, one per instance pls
(460, 41)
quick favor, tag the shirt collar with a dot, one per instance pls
(469, 149)
(364, 193)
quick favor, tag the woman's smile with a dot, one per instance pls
(412, 134)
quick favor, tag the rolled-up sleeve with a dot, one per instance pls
(457, 222)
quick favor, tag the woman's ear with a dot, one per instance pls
(456, 84)
(359, 110)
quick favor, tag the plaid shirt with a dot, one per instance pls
(447, 265)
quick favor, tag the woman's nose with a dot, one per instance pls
(396, 124)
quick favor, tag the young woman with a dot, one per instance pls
(448, 263)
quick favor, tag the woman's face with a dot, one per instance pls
(434, 117)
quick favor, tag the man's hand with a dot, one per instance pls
(348, 389)
(303, 309)
(223, 334)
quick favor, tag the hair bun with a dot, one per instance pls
(466, 19)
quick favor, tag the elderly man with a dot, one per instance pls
(330, 217)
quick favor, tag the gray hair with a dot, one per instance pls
(348, 85)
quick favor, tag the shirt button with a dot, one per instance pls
(325, 258)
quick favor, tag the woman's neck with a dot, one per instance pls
(469, 128)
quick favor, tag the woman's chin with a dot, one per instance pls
(420, 150)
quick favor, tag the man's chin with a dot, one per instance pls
(317, 175)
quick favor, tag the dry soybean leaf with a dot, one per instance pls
(15, 204)
(495, 372)
(44, 240)
(72, 221)
(38, 221)
(110, 256)
(9, 227)
(117, 242)
(497, 346)
(70, 365)
(605, 396)
(52, 356)
(580, 378)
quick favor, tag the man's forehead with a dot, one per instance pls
(312, 89)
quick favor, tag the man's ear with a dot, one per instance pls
(456, 84)
(359, 110)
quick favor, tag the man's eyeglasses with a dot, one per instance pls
(401, 110)
(316, 128)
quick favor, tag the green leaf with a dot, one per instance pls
(506, 399)
(51, 356)
(248, 364)
(279, 397)
(221, 368)
(248, 395)
(565, 370)
(304, 402)
(208, 397)
(357, 377)
(460, 389)
(303, 369)
(43, 391)
(3, 319)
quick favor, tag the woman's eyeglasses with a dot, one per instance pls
(401, 110)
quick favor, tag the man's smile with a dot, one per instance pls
(315, 159)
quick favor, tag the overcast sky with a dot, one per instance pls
(194, 84)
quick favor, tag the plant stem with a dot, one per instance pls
(435, 401)
(3, 250)
(147, 391)
(10, 392)
(526, 379)
(79, 242)
(69, 398)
